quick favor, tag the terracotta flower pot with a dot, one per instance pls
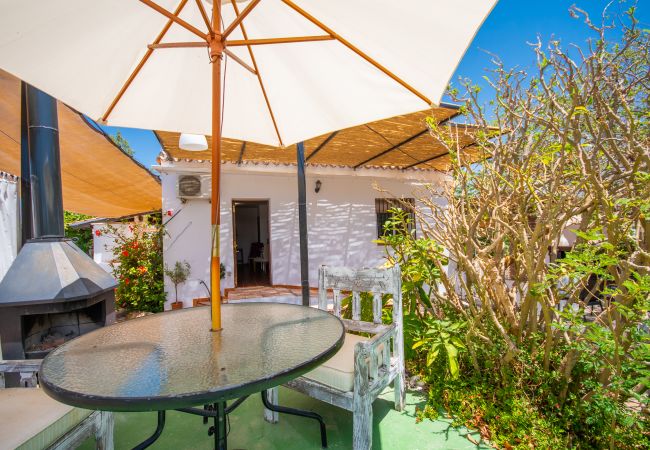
(177, 305)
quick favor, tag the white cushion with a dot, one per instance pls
(338, 371)
(30, 419)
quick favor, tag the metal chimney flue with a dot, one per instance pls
(53, 291)
(45, 164)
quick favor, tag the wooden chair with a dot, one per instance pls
(354, 377)
(31, 420)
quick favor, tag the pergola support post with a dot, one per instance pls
(302, 223)
(26, 230)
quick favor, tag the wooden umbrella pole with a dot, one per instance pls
(216, 54)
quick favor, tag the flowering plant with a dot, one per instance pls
(138, 266)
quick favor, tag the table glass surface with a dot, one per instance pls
(173, 360)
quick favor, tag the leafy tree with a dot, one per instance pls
(563, 339)
(83, 238)
(122, 143)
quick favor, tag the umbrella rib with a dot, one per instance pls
(204, 15)
(285, 40)
(240, 61)
(356, 50)
(141, 64)
(174, 17)
(259, 75)
(239, 19)
(178, 45)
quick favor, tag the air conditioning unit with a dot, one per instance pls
(194, 187)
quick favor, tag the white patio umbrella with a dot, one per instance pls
(280, 71)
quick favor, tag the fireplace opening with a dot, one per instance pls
(44, 332)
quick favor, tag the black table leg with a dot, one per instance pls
(219, 414)
(298, 412)
(156, 434)
(219, 427)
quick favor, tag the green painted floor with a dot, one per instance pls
(392, 429)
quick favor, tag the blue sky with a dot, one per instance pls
(505, 33)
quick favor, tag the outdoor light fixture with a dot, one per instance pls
(318, 185)
(192, 142)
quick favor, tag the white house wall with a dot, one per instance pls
(341, 221)
(8, 223)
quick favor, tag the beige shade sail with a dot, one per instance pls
(98, 178)
(401, 142)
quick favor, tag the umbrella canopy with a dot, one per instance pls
(273, 72)
(373, 59)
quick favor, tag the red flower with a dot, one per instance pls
(125, 253)
(169, 212)
(127, 281)
(98, 233)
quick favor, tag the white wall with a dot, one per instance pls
(8, 222)
(341, 219)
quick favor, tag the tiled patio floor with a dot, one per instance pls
(264, 291)
(248, 430)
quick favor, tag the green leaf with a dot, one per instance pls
(432, 355)
(457, 342)
(453, 366)
(418, 344)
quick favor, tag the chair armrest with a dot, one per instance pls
(20, 365)
(27, 368)
(366, 357)
(364, 327)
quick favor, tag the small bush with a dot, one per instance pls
(138, 267)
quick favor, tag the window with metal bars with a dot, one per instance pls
(383, 208)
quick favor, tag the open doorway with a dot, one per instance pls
(251, 242)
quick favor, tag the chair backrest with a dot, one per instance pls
(256, 250)
(375, 281)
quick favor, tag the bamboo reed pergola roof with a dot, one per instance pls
(401, 142)
(98, 178)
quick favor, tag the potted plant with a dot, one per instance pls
(203, 301)
(178, 275)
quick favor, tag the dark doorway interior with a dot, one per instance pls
(252, 252)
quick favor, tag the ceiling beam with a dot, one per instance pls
(394, 147)
(417, 163)
(322, 145)
(415, 136)
(241, 153)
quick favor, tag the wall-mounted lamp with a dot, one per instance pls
(193, 142)
(318, 185)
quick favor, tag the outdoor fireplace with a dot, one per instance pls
(53, 291)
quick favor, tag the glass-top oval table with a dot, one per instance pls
(172, 360)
